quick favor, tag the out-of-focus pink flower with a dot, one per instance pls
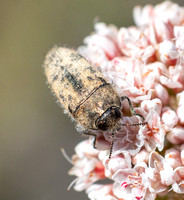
(87, 166)
(99, 192)
(180, 113)
(167, 52)
(133, 43)
(102, 45)
(182, 154)
(162, 18)
(179, 34)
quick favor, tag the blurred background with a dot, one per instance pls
(32, 126)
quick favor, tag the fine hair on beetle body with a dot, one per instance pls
(84, 93)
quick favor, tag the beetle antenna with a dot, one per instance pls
(112, 144)
(112, 136)
(135, 124)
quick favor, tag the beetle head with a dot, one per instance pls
(109, 119)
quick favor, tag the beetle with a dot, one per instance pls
(84, 93)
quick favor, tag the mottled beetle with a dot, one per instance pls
(84, 93)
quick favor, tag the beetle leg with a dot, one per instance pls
(95, 136)
(131, 107)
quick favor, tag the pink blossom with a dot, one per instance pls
(99, 192)
(161, 93)
(169, 117)
(118, 161)
(159, 172)
(179, 33)
(180, 113)
(182, 154)
(173, 157)
(162, 18)
(154, 133)
(167, 52)
(126, 75)
(143, 16)
(145, 63)
(102, 46)
(140, 157)
(180, 109)
(174, 79)
(176, 135)
(178, 185)
(154, 70)
(127, 138)
(132, 183)
(154, 104)
(87, 166)
(133, 43)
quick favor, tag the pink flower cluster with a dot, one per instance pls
(146, 63)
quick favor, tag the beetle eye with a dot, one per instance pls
(103, 126)
(109, 119)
